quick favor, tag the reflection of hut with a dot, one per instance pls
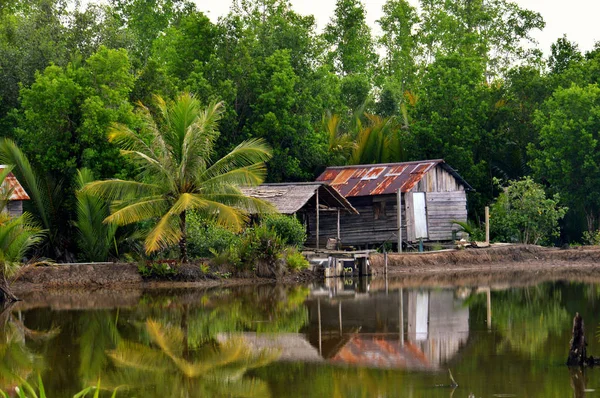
(292, 347)
(432, 195)
(14, 192)
(309, 201)
(414, 329)
(382, 352)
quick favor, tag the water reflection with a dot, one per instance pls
(408, 329)
(166, 366)
(353, 338)
(17, 360)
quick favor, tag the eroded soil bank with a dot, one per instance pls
(515, 263)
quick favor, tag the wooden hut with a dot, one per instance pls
(430, 195)
(309, 201)
(12, 191)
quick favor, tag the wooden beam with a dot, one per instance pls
(317, 217)
(399, 218)
(339, 239)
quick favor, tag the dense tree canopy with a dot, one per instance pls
(458, 80)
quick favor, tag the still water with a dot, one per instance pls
(344, 339)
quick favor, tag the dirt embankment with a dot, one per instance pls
(510, 256)
(515, 265)
(124, 275)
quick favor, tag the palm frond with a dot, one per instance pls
(249, 154)
(116, 189)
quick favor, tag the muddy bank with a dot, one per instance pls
(124, 276)
(513, 256)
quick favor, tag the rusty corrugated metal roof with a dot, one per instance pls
(12, 185)
(382, 179)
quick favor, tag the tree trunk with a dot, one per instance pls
(183, 257)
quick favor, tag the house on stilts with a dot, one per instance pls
(428, 196)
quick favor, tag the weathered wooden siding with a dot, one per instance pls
(15, 208)
(438, 180)
(446, 200)
(358, 230)
(442, 209)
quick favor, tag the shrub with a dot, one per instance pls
(591, 238)
(205, 239)
(295, 260)
(262, 249)
(522, 213)
(288, 228)
(157, 270)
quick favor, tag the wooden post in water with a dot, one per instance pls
(487, 225)
(399, 218)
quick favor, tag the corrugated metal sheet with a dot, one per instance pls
(12, 185)
(382, 179)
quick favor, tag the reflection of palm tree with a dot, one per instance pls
(17, 361)
(165, 368)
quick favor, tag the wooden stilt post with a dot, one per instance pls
(339, 238)
(317, 218)
(487, 225)
(399, 218)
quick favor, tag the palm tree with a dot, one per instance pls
(17, 236)
(173, 151)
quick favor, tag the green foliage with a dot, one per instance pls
(475, 232)
(173, 153)
(522, 213)
(260, 243)
(95, 238)
(288, 228)
(295, 260)
(567, 156)
(206, 238)
(157, 270)
(591, 238)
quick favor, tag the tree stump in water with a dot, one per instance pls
(577, 351)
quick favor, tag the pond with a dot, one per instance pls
(353, 338)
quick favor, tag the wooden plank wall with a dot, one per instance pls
(15, 208)
(442, 208)
(446, 200)
(362, 229)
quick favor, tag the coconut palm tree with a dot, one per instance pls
(173, 152)
(17, 236)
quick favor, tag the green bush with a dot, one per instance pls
(288, 228)
(523, 214)
(157, 270)
(205, 239)
(296, 260)
(591, 238)
(261, 243)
